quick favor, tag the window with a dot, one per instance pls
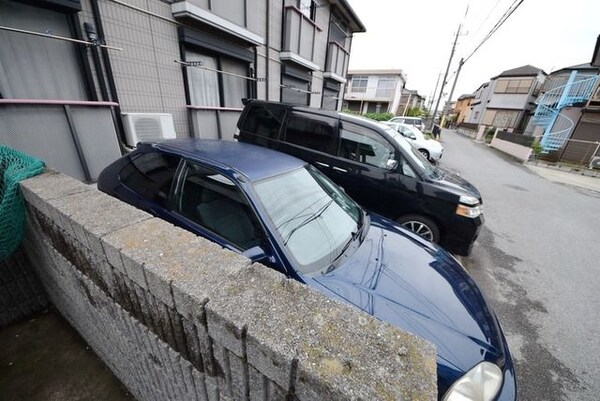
(34, 67)
(513, 85)
(313, 218)
(150, 175)
(308, 8)
(214, 202)
(505, 118)
(338, 30)
(209, 88)
(312, 131)
(386, 86)
(359, 83)
(264, 121)
(365, 146)
(294, 90)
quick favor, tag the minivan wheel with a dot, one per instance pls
(421, 225)
(424, 153)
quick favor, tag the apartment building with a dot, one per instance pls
(375, 91)
(105, 71)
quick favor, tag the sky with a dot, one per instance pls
(416, 37)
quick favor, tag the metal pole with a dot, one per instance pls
(407, 102)
(445, 76)
(434, 92)
(460, 64)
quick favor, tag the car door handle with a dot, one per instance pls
(340, 169)
(322, 164)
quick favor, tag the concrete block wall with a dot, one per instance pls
(21, 293)
(177, 317)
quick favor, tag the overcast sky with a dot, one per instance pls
(416, 36)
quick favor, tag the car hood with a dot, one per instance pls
(433, 144)
(406, 281)
(451, 180)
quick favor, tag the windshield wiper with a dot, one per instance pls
(305, 222)
(353, 236)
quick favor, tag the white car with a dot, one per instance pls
(414, 121)
(431, 149)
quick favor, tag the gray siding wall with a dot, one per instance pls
(146, 76)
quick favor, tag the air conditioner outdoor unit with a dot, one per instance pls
(148, 127)
(595, 162)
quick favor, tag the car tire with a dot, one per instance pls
(421, 225)
(425, 153)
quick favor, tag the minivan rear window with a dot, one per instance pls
(264, 121)
(312, 131)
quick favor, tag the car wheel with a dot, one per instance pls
(421, 225)
(425, 153)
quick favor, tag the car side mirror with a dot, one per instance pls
(412, 136)
(255, 254)
(391, 164)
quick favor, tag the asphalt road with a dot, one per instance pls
(537, 260)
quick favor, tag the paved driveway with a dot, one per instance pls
(538, 261)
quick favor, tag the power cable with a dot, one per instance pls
(500, 22)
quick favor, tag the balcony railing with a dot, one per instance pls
(299, 34)
(337, 59)
(75, 137)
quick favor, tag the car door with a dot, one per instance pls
(361, 167)
(147, 180)
(312, 138)
(212, 205)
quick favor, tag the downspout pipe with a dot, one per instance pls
(109, 73)
(268, 49)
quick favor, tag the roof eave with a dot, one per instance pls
(356, 25)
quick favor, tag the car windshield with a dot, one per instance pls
(313, 218)
(414, 155)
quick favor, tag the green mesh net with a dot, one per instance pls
(14, 167)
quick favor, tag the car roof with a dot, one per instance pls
(306, 109)
(254, 162)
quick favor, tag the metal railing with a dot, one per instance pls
(557, 126)
(299, 33)
(78, 138)
(337, 59)
(573, 152)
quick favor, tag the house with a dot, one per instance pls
(375, 91)
(79, 79)
(506, 101)
(410, 99)
(462, 108)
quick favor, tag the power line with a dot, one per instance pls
(486, 18)
(513, 7)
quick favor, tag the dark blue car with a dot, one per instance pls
(279, 210)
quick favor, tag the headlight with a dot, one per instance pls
(481, 383)
(468, 211)
(468, 200)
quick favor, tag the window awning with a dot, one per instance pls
(185, 9)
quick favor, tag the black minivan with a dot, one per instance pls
(375, 165)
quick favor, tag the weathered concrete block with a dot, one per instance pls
(328, 365)
(50, 185)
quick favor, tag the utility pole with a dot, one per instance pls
(460, 64)
(437, 104)
(434, 92)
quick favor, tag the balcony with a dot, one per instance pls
(77, 138)
(299, 38)
(337, 61)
